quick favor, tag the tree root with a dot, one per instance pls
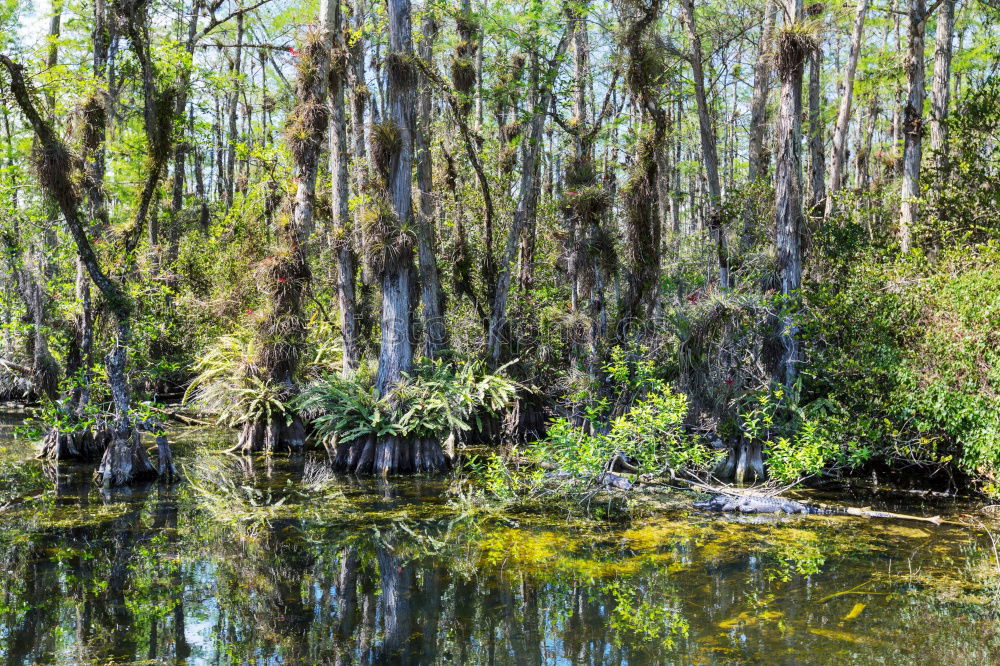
(275, 435)
(83, 446)
(125, 462)
(390, 456)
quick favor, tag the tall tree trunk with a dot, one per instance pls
(125, 460)
(285, 276)
(395, 164)
(95, 124)
(340, 155)
(641, 240)
(527, 241)
(942, 79)
(219, 160)
(180, 108)
(199, 175)
(817, 168)
(529, 173)
(863, 158)
(431, 294)
(29, 281)
(390, 181)
(358, 93)
(586, 200)
(52, 58)
(709, 148)
(640, 223)
(466, 81)
(839, 148)
(27, 265)
(157, 104)
(744, 463)
(84, 339)
(361, 103)
(912, 123)
(235, 74)
(792, 51)
(581, 172)
(675, 187)
(756, 164)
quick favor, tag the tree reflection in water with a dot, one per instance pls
(364, 573)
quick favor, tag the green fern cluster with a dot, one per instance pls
(433, 402)
(227, 385)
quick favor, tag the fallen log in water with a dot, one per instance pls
(730, 499)
(178, 416)
(23, 500)
(742, 501)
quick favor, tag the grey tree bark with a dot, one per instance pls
(637, 293)
(526, 250)
(431, 295)
(52, 58)
(235, 72)
(182, 148)
(28, 283)
(582, 159)
(529, 173)
(913, 122)
(709, 150)
(839, 148)
(340, 155)
(396, 352)
(756, 164)
(817, 166)
(942, 78)
(792, 52)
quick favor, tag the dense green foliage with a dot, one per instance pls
(650, 433)
(909, 350)
(570, 272)
(905, 349)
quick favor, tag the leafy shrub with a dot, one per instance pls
(802, 445)
(651, 434)
(68, 418)
(963, 190)
(909, 348)
(949, 386)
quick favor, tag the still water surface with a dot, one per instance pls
(335, 571)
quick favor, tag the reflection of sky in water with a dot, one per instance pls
(366, 573)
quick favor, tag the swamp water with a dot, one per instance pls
(269, 560)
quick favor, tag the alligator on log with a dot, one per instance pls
(765, 504)
(760, 504)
